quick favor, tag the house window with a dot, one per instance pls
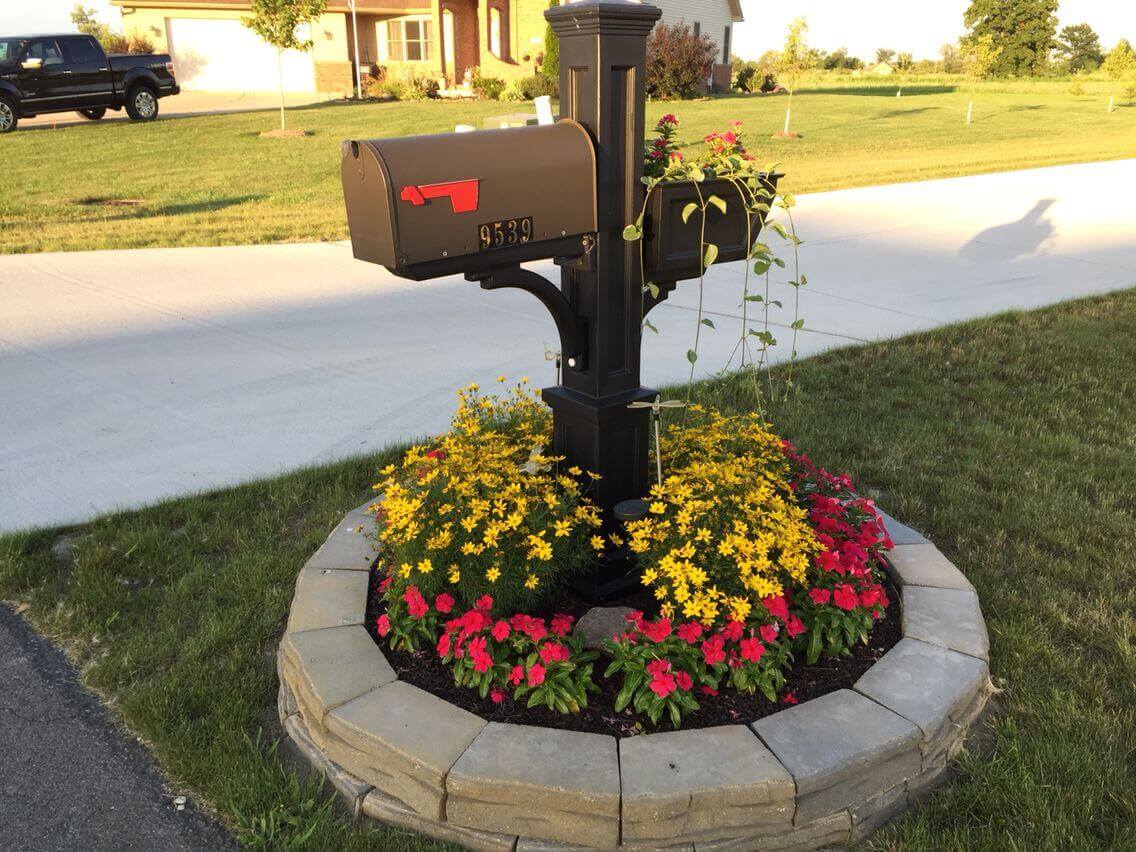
(499, 30)
(726, 45)
(697, 28)
(406, 40)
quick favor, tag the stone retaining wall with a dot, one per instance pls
(828, 771)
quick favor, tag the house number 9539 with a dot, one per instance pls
(507, 232)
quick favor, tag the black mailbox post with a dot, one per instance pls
(483, 203)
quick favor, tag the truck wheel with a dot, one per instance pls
(142, 104)
(7, 116)
(94, 114)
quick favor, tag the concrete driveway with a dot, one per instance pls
(126, 377)
(190, 103)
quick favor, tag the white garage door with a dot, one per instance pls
(226, 56)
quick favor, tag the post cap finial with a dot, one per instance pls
(588, 17)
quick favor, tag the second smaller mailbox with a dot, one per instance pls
(428, 206)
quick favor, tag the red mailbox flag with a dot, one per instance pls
(462, 194)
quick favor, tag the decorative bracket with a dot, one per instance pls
(665, 288)
(572, 328)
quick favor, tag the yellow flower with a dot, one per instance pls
(532, 582)
(404, 569)
(425, 566)
(455, 574)
(658, 508)
(492, 574)
(598, 543)
(562, 528)
(574, 471)
(500, 379)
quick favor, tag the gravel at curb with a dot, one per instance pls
(829, 771)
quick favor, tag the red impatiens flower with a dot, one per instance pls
(444, 644)
(444, 603)
(385, 583)
(830, 561)
(415, 603)
(663, 684)
(870, 595)
(482, 662)
(684, 681)
(501, 631)
(778, 606)
(709, 690)
(496, 695)
(713, 650)
(659, 630)
(658, 667)
(636, 617)
(732, 632)
(752, 649)
(484, 603)
(690, 632)
(561, 625)
(769, 632)
(383, 625)
(553, 652)
(517, 675)
(436, 454)
(536, 674)
(794, 627)
(789, 698)
(845, 597)
(820, 596)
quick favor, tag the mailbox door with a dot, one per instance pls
(425, 206)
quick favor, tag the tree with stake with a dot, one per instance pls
(1119, 64)
(979, 54)
(276, 21)
(903, 64)
(794, 61)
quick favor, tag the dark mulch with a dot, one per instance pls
(424, 670)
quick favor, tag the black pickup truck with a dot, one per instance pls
(60, 73)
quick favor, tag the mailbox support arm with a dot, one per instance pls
(572, 328)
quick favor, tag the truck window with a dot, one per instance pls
(10, 49)
(46, 49)
(81, 51)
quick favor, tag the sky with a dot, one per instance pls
(917, 26)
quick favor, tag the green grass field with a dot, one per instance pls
(1009, 442)
(210, 180)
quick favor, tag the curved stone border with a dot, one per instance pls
(828, 771)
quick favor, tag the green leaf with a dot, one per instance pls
(688, 211)
(778, 229)
(720, 203)
(632, 233)
(779, 262)
(711, 256)
(707, 323)
(647, 324)
(760, 267)
(804, 280)
(798, 324)
(776, 302)
(691, 355)
(676, 716)
(754, 299)
(653, 289)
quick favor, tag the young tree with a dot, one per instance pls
(883, 54)
(951, 63)
(276, 21)
(903, 63)
(1119, 65)
(1024, 30)
(1079, 48)
(794, 61)
(979, 56)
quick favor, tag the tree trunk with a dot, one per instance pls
(280, 78)
(969, 109)
(788, 111)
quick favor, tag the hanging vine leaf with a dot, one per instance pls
(798, 324)
(691, 355)
(711, 255)
(707, 323)
(632, 233)
(647, 324)
(720, 203)
(688, 211)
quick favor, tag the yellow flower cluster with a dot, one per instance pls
(485, 509)
(723, 530)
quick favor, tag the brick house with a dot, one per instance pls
(213, 50)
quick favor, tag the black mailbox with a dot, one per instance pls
(427, 206)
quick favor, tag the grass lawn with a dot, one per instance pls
(210, 180)
(1010, 442)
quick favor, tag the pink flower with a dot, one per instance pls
(562, 625)
(689, 632)
(496, 695)
(752, 649)
(820, 596)
(536, 674)
(659, 630)
(713, 650)
(684, 681)
(501, 631)
(383, 625)
(845, 597)
(769, 632)
(444, 603)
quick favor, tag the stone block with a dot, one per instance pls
(348, 548)
(950, 618)
(540, 783)
(327, 598)
(352, 788)
(599, 623)
(889, 802)
(832, 830)
(841, 748)
(403, 741)
(925, 684)
(285, 699)
(328, 667)
(899, 533)
(934, 771)
(924, 565)
(707, 783)
(391, 811)
(529, 844)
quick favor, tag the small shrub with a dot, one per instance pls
(134, 43)
(512, 92)
(550, 64)
(408, 86)
(678, 61)
(539, 85)
(486, 88)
